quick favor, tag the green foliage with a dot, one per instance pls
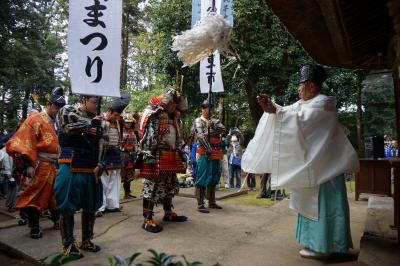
(264, 57)
(268, 59)
(60, 260)
(120, 261)
(156, 259)
(140, 98)
(379, 105)
(28, 55)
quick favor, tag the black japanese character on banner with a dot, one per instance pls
(90, 63)
(211, 74)
(95, 13)
(103, 44)
(212, 8)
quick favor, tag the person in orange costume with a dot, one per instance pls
(36, 144)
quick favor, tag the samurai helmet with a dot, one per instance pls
(171, 95)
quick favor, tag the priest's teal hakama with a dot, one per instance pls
(331, 232)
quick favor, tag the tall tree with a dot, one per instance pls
(28, 50)
(131, 27)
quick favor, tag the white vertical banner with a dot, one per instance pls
(207, 76)
(206, 6)
(94, 46)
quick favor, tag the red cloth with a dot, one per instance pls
(166, 162)
(40, 194)
(36, 135)
(216, 150)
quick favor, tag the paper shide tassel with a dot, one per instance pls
(211, 34)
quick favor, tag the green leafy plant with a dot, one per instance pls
(60, 260)
(156, 259)
(121, 261)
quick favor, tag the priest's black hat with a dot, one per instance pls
(119, 104)
(312, 72)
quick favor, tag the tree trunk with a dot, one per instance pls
(25, 103)
(359, 126)
(221, 108)
(255, 110)
(125, 50)
(2, 109)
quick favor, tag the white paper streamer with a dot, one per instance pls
(211, 34)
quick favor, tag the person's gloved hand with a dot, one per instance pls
(96, 122)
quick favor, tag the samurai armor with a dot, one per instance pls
(167, 161)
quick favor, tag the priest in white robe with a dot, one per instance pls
(305, 149)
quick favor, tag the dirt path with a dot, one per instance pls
(236, 235)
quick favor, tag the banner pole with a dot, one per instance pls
(211, 58)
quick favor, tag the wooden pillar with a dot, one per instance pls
(396, 84)
(396, 165)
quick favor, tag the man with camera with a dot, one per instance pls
(235, 150)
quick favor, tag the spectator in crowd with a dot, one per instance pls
(3, 175)
(234, 154)
(394, 149)
(192, 159)
(9, 184)
(224, 163)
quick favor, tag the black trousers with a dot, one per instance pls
(265, 179)
(251, 181)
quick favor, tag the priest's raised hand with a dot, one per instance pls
(266, 104)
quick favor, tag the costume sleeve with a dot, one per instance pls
(201, 135)
(71, 123)
(103, 139)
(149, 138)
(24, 141)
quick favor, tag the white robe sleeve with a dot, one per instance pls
(257, 158)
(310, 147)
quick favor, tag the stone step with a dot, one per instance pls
(378, 245)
